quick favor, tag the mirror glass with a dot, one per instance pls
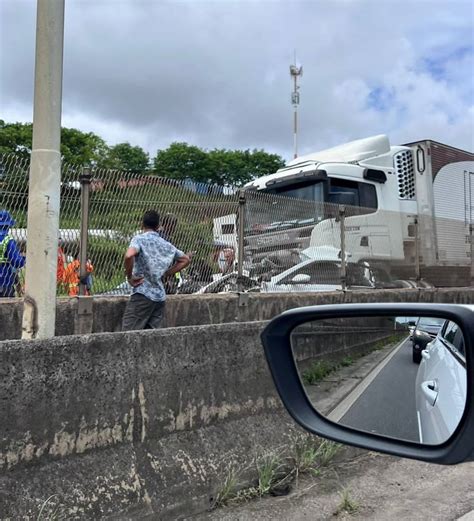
(401, 377)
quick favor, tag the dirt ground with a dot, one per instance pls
(379, 487)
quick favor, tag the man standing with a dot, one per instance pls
(148, 259)
(10, 258)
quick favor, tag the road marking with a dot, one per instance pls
(340, 410)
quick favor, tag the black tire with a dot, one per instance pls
(416, 356)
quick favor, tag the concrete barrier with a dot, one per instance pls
(185, 310)
(144, 422)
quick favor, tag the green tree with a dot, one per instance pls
(127, 157)
(183, 161)
(219, 166)
(83, 148)
(77, 147)
(16, 138)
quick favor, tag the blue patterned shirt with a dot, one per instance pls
(155, 256)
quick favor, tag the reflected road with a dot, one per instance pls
(387, 405)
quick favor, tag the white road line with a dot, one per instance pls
(340, 410)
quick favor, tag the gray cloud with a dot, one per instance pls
(216, 73)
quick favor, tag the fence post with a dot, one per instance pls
(417, 250)
(85, 180)
(471, 244)
(342, 219)
(240, 237)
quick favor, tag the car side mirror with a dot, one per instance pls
(346, 373)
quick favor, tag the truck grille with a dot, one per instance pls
(403, 163)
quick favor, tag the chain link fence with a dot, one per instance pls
(286, 243)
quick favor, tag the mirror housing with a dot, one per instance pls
(278, 351)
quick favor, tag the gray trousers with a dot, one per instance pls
(142, 313)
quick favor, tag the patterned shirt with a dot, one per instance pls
(155, 256)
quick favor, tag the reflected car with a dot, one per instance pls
(441, 384)
(317, 275)
(426, 329)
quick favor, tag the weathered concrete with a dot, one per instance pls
(184, 310)
(147, 422)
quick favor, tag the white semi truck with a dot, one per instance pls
(404, 204)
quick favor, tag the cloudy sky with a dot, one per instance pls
(216, 74)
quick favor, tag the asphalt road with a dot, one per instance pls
(387, 406)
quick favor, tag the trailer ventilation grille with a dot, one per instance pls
(406, 174)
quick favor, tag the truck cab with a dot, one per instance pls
(374, 182)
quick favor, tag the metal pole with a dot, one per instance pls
(417, 250)
(295, 132)
(241, 222)
(471, 244)
(39, 315)
(85, 181)
(342, 219)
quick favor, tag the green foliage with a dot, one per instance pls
(82, 148)
(318, 370)
(347, 504)
(182, 161)
(218, 166)
(127, 157)
(16, 138)
(77, 147)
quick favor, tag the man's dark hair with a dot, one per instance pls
(151, 220)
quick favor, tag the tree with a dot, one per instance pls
(16, 138)
(219, 166)
(182, 161)
(127, 157)
(77, 147)
(82, 148)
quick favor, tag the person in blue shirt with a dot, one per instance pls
(11, 259)
(148, 260)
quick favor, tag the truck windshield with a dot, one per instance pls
(270, 210)
(310, 191)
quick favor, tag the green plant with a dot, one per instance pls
(268, 467)
(347, 504)
(347, 361)
(304, 455)
(317, 371)
(326, 451)
(228, 490)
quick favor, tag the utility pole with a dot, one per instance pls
(39, 315)
(295, 72)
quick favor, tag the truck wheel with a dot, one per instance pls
(416, 356)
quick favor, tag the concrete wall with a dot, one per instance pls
(184, 310)
(146, 422)
(332, 340)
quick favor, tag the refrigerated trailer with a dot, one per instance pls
(404, 204)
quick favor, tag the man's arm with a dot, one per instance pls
(180, 264)
(129, 261)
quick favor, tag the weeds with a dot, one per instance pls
(305, 455)
(318, 371)
(267, 469)
(347, 504)
(347, 361)
(46, 513)
(228, 490)
(327, 450)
